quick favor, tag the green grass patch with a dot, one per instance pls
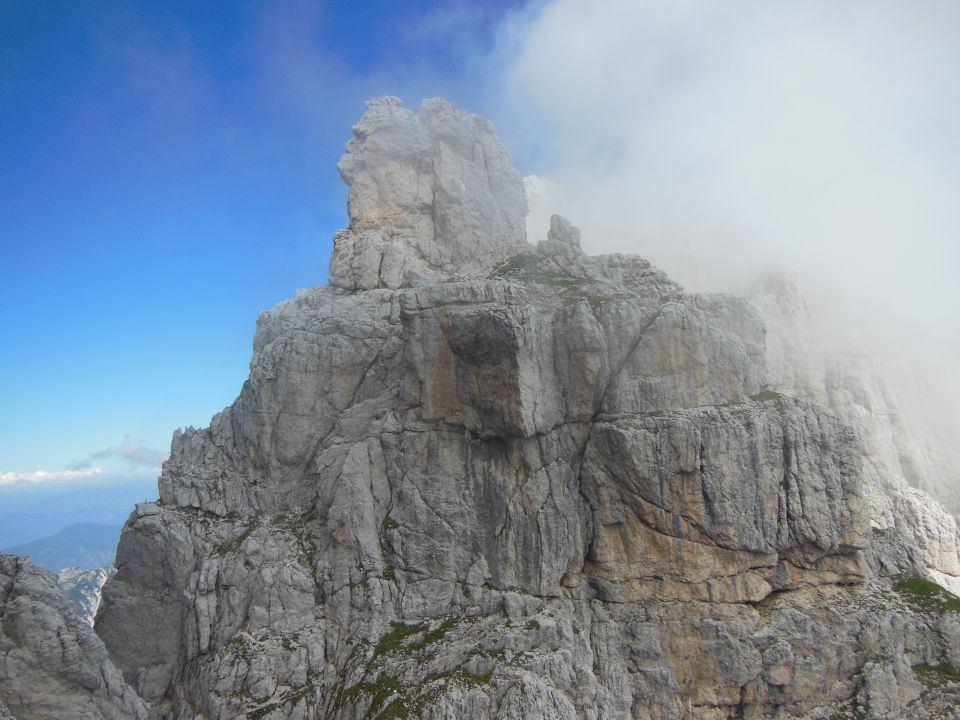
(537, 270)
(765, 395)
(496, 654)
(436, 635)
(542, 271)
(927, 596)
(294, 522)
(852, 713)
(461, 676)
(233, 545)
(396, 710)
(399, 637)
(305, 692)
(390, 701)
(240, 646)
(380, 691)
(394, 640)
(934, 676)
(598, 300)
(262, 712)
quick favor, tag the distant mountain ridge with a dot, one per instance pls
(80, 545)
(32, 511)
(20, 528)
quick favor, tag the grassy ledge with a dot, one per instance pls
(934, 676)
(927, 596)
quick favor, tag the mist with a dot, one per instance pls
(723, 140)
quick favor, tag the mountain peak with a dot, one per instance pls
(432, 194)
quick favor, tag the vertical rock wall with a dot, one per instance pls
(477, 478)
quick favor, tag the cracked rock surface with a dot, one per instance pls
(52, 665)
(83, 587)
(907, 467)
(477, 478)
(431, 194)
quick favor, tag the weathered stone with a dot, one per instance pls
(482, 479)
(431, 194)
(901, 456)
(52, 665)
(83, 587)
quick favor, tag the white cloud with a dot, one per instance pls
(131, 458)
(39, 476)
(132, 451)
(720, 138)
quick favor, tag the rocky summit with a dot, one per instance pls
(476, 477)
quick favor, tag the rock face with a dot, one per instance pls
(52, 665)
(903, 459)
(83, 587)
(431, 194)
(475, 478)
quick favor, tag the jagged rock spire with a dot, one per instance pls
(536, 492)
(431, 194)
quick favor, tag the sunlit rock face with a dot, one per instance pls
(83, 587)
(431, 194)
(52, 665)
(478, 478)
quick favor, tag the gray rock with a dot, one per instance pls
(483, 479)
(739, 501)
(904, 459)
(431, 194)
(52, 665)
(83, 587)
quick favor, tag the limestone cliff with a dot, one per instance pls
(431, 194)
(83, 586)
(52, 665)
(478, 478)
(906, 467)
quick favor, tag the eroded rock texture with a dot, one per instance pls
(475, 478)
(906, 460)
(52, 665)
(431, 194)
(83, 587)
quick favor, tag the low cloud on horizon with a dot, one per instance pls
(131, 458)
(132, 450)
(39, 476)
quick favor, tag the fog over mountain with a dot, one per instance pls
(815, 137)
(637, 400)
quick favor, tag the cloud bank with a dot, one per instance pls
(718, 139)
(132, 457)
(39, 476)
(725, 140)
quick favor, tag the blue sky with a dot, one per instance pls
(167, 171)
